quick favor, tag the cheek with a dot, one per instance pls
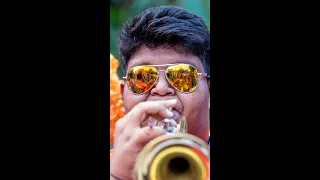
(130, 100)
(196, 107)
(196, 100)
(193, 102)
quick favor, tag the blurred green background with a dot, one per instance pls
(122, 11)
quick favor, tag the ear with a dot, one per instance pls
(121, 87)
(209, 93)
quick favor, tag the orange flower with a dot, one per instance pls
(116, 103)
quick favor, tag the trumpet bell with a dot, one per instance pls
(178, 156)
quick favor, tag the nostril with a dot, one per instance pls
(162, 87)
(161, 94)
(162, 91)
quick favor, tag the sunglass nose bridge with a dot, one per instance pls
(164, 76)
(159, 74)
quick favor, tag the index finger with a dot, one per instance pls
(144, 109)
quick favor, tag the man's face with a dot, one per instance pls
(194, 106)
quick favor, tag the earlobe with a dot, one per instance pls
(209, 93)
(121, 87)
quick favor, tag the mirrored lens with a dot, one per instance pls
(141, 78)
(183, 77)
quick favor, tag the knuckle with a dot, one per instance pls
(141, 105)
(119, 124)
(126, 137)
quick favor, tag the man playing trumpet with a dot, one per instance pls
(165, 54)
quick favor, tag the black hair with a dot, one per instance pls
(166, 26)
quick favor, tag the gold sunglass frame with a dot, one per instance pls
(158, 71)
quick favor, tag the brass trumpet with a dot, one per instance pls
(174, 156)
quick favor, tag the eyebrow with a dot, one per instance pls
(141, 64)
(173, 62)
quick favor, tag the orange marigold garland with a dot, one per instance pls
(116, 103)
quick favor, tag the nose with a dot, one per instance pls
(162, 87)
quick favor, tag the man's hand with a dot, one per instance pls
(130, 138)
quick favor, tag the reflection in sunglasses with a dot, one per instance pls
(141, 79)
(181, 76)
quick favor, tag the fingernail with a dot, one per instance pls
(166, 120)
(169, 112)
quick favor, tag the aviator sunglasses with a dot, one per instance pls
(183, 77)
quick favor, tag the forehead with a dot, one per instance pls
(158, 56)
